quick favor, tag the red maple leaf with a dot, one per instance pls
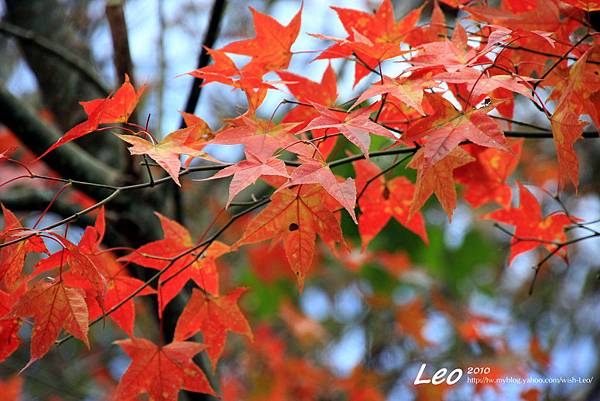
(269, 263)
(532, 230)
(485, 178)
(246, 172)
(9, 325)
(114, 109)
(53, 306)
(161, 371)
(77, 264)
(11, 388)
(118, 284)
(312, 172)
(371, 37)
(479, 84)
(213, 316)
(501, 34)
(356, 125)
(177, 239)
(383, 199)
(545, 18)
(433, 31)
(519, 6)
(585, 5)
(261, 137)
(305, 90)
(309, 92)
(451, 55)
(447, 127)
(12, 257)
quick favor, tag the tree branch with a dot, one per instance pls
(209, 40)
(61, 86)
(120, 40)
(69, 160)
(30, 199)
(60, 53)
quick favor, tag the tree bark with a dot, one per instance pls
(61, 87)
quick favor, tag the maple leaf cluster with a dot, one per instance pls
(448, 110)
(83, 282)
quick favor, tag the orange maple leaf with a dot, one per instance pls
(305, 90)
(577, 97)
(437, 178)
(411, 319)
(186, 141)
(312, 172)
(295, 216)
(271, 48)
(407, 89)
(371, 37)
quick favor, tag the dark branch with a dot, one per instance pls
(55, 50)
(69, 160)
(30, 199)
(120, 40)
(209, 40)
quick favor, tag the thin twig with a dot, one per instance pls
(202, 246)
(382, 172)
